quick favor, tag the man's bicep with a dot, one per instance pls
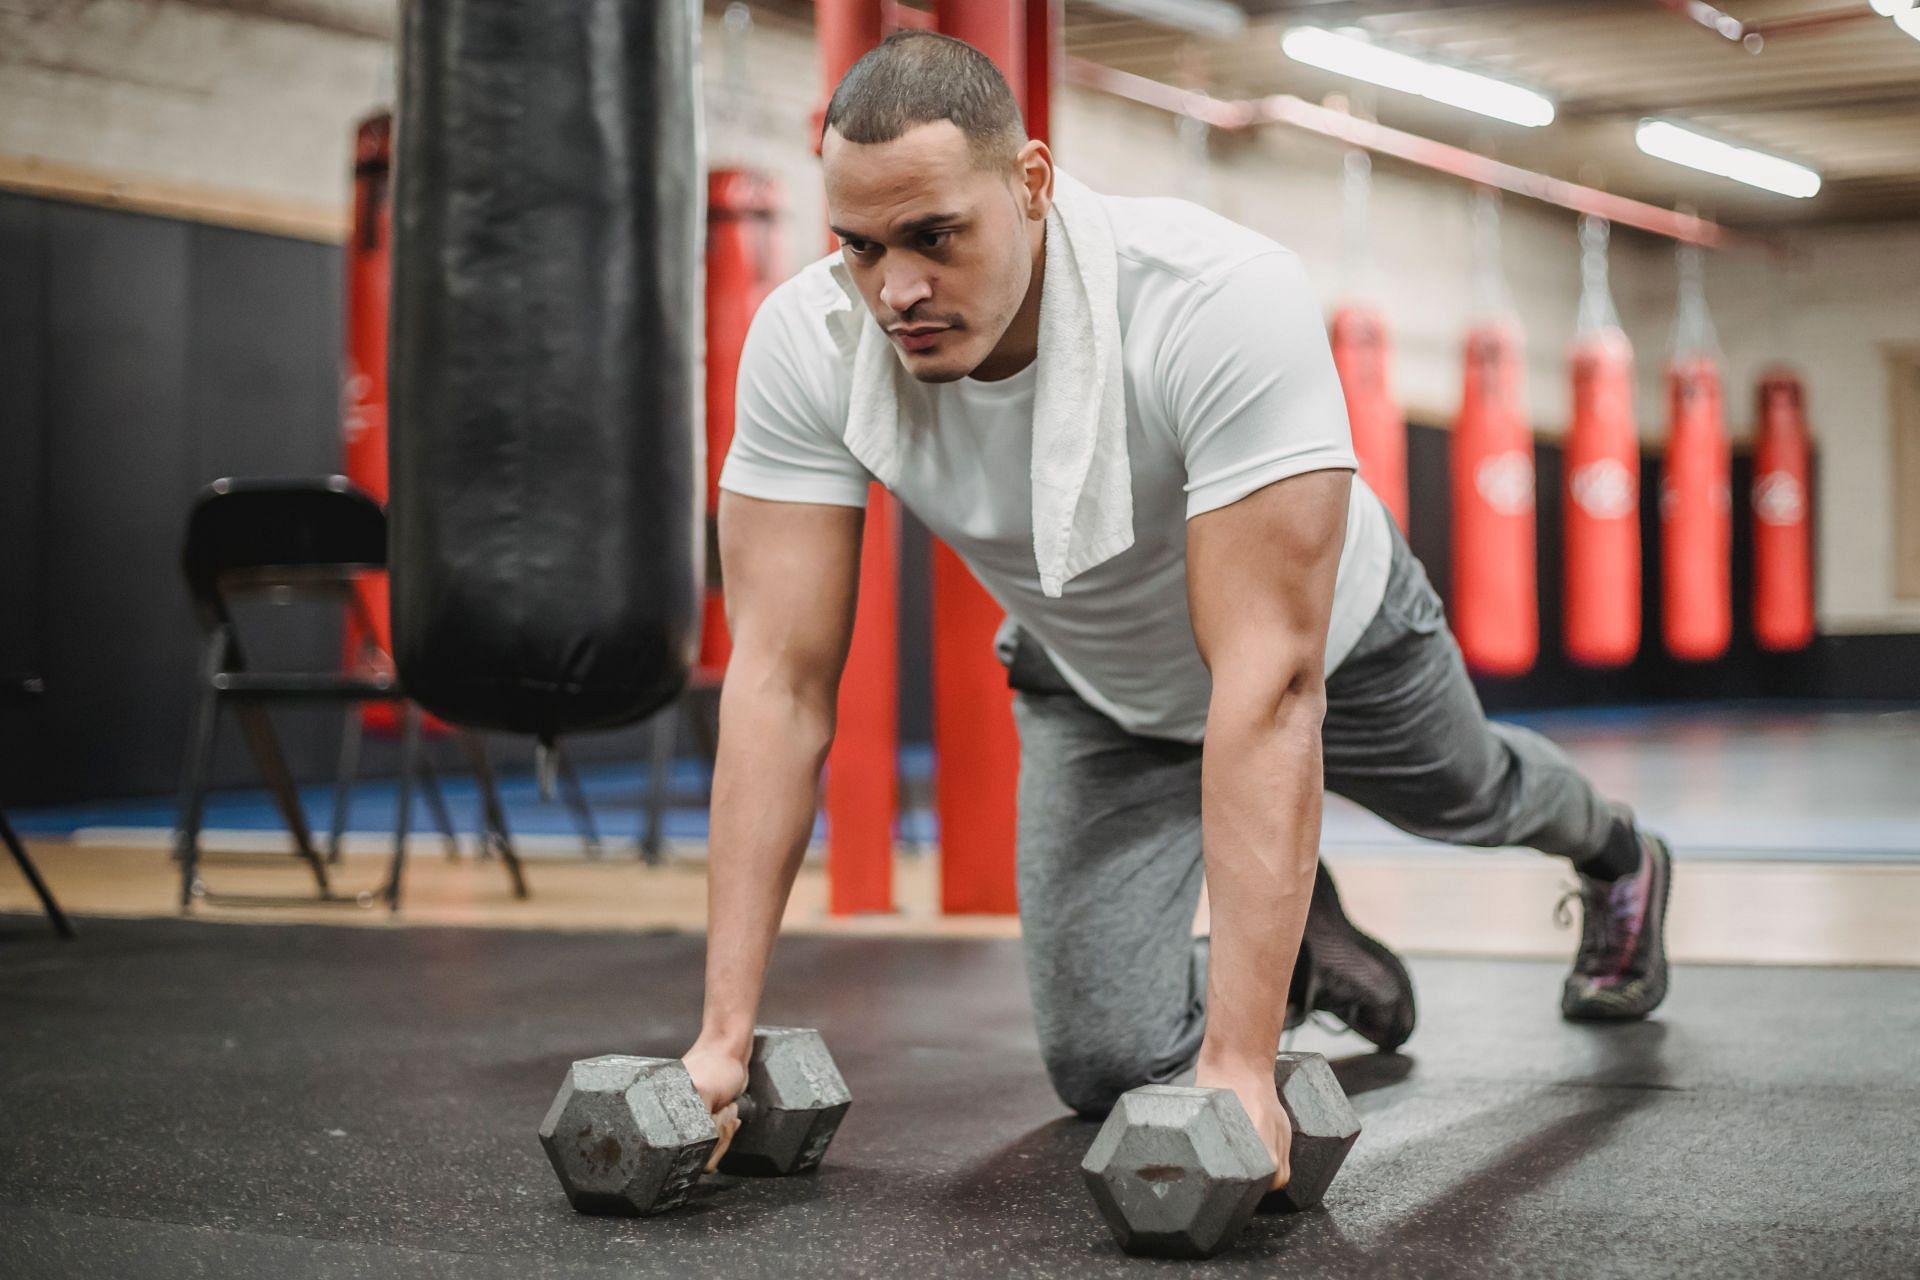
(791, 571)
(1260, 579)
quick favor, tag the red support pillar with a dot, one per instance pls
(1043, 66)
(976, 750)
(863, 769)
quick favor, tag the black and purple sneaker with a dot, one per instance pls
(1356, 978)
(1620, 971)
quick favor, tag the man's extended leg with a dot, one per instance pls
(1405, 736)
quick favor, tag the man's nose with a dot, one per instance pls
(901, 291)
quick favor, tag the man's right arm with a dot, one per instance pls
(791, 572)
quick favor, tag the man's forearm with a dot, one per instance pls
(1260, 826)
(765, 794)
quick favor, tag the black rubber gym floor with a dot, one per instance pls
(183, 1099)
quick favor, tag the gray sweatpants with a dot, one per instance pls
(1109, 830)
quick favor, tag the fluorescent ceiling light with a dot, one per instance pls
(1742, 164)
(1202, 17)
(1351, 53)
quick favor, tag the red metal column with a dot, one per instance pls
(1043, 66)
(863, 769)
(976, 750)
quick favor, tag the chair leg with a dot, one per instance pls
(437, 801)
(403, 816)
(659, 781)
(350, 734)
(61, 925)
(193, 783)
(495, 813)
(265, 746)
(576, 796)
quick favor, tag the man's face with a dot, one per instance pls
(940, 247)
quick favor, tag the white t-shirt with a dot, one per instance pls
(1230, 386)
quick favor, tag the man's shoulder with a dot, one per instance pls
(802, 302)
(1171, 243)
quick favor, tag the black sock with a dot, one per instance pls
(1620, 857)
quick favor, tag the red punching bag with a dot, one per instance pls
(1362, 352)
(364, 398)
(1782, 528)
(1495, 597)
(743, 265)
(1696, 528)
(1601, 493)
(1696, 525)
(1602, 505)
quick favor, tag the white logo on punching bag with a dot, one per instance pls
(1605, 489)
(355, 410)
(1505, 481)
(1779, 499)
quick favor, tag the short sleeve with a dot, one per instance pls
(785, 447)
(1248, 384)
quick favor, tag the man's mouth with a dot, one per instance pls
(919, 337)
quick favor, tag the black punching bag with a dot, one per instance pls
(546, 446)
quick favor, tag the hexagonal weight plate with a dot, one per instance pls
(1324, 1128)
(627, 1135)
(1177, 1171)
(799, 1100)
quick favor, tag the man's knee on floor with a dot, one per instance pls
(1091, 1069)
(1092, 1082)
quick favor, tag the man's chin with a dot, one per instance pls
(934, 371)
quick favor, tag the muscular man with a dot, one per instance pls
(1189, 673)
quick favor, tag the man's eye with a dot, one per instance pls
(860, 248)
(934, 239)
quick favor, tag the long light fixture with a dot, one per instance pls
(1349, 52)
(1669, 141)
(1202, 17)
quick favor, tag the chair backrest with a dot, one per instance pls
(280, 531)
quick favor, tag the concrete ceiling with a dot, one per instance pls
(1840, 93)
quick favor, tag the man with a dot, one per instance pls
(1210, 618)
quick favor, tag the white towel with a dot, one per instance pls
(1082, 482)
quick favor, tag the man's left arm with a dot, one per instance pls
(1248, 383)
(1260, 575)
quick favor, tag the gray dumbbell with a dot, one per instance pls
(631, 1135)
(1178, 1171)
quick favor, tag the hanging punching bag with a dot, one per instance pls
(1363, 355)
(1696, 530)
(1782, 520)
(1601, 495)
(364, 397)
(546, 441)
(1495, 597)
(743, 265)
(1602, 505)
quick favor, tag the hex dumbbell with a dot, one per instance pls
(1178, 1171)
(630, 1135)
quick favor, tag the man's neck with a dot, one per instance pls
(1020, 345)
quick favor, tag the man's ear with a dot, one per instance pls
(1034, 167)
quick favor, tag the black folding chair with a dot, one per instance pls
(61, 925)
(286, 538)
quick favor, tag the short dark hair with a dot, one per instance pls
(917, 77)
